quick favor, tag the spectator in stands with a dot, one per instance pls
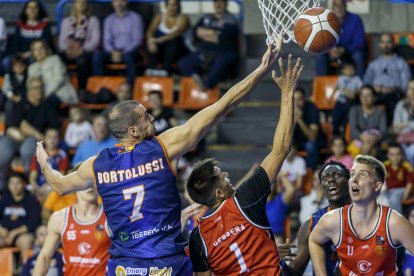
(307, 135)
(294, 167)
(368, 124)
(217, 37)
(3, 44)
(400, 177)
(57, 159)
(351, 41)
(122, 36)
(27, 124)
(56, 262)
(281, 195)
(14, 86)
(163, 117)
(122, 94)
(79, 38)
(388, 74)
(338, 148)
(165, 41)
(79, 129)
(347, 87)
(52, 70)
(403, 122)
(101, 140)
(19, 215)
(314, 201)
(32, 25)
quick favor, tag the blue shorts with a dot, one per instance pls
(178, 265)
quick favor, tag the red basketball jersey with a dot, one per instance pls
(374, 255)
(235, 245)
(85, 245)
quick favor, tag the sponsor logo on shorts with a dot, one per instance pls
(165, 271)
(124, 236)
(364, 266)
(125, 271)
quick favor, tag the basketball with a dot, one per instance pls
(317, 30)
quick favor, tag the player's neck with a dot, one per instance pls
(363, 213)
(214, 207)
(340, 203)
(128, 142)
(86, 210)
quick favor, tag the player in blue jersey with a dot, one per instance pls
(334, 178)
(136, 180)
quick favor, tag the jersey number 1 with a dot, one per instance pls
(139, 190)
(234, 247)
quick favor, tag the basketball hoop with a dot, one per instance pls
(280, 15)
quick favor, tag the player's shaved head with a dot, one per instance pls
(121, 117)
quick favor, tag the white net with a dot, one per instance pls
(280, 15)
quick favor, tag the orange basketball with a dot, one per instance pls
(317, 30)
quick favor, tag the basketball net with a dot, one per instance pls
(280, 15)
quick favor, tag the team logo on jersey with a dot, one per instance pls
(124, 236)
(165, 271)
(99, 232)
(125, 271)
(125, 149)
(350, 240)
(364, 266)
(84, 248)
(71, 226)
(380, 240)
(380, 250)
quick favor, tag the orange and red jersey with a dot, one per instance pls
(372, 255)
(400, 177)
(85, 244)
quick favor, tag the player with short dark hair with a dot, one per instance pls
(236, 237)
(365, 233)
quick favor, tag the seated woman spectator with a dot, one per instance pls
(79, 129)
(338, 148)
(19, 215)
(52, 70)
(32, 25)
(79, 37)
(403, 122)
(368, 124)
(164, 117)
(27, 123)
(57, 159)
(165, 36)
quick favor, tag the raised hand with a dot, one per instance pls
(272, 53)
(288, 78)
(41, 155)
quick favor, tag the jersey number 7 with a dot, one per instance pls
(139, 190)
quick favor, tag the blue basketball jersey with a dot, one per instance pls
(330, 251)
(141, 200)
(408, 264)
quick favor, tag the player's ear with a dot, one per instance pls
(378, 186)
(133, 131)
(220, 194)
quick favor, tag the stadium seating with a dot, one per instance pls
(192, 98)
(6, 260)
(96, 83)
(144, 85)
(322, 91)
(405, 39)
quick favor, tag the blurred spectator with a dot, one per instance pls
(281, 195)
(101, 140)
(27, 123)
(400, 177)
(79, 37)
(314, 201)
(165, 41)
(217, 38)
(14, 86)
(3, 43)
(79, 129)
(347, 87)
(294, 167)
(52, 70)
(306, 134)
(122, 94)
(338, 148)
(57, 159)
(388, 74)
(32, 25)
(368, 124)
(408, 259)
(164, 117)
(122, 35)
(56, 262)
(19, 215)
(55, 202)
(351, 41)
(403, 122)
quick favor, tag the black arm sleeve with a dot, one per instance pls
(252, 196)
(197, 253)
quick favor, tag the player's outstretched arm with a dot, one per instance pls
(402, 232)
(54, 227)
(283, 135)
(78, 180)
(182, 139)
